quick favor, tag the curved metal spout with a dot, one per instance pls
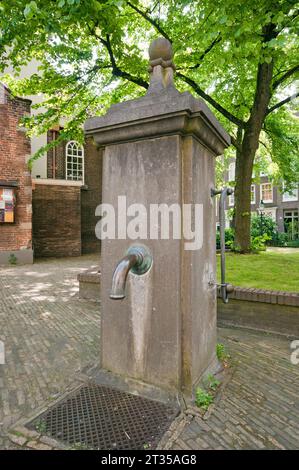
(139, 260)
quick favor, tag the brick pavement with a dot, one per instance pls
(49, 334)
(259, 406)
(51, 337)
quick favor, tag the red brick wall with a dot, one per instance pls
(91, 192)
(14, 150)
(55, 157)
(56, 220)
(91, 197)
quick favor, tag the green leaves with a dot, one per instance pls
(30, 10)
(218, 45)
(282, 138)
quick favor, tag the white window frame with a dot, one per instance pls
(266, 201)
(73, 144)
(254, 193)
(291, 218)
(286, 198)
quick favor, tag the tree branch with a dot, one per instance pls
(150, 20)
(264, 145)
(235, 142)
(116, 71)
(238, 122)
(281, 103)
(208, 49)
(188, 80)
(106, 42)
(284, 77)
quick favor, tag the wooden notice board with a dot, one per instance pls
(7, 205)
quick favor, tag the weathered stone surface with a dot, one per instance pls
(90, 284)
(160, 48)
(29, 433)
(19, 440)
(160, 149)
(35, 445)
(49, 442)
(155, 115)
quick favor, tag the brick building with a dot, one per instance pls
(281, 206)
(51, 211)
(15, 181)
(64, 201)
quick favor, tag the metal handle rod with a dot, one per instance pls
(223, 195)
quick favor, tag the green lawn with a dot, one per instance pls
(266, 270)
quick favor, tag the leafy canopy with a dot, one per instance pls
(92, 53)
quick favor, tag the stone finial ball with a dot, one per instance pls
(160, 48)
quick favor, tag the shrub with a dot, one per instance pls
(259, 243)
(293, 243)
(203, 399)
(229, 238)
(212, 382)
(12, 259)
(263, 232)
(263, 226)
(221, 352)
(279, 239)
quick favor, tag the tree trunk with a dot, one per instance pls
(244, 164)
(246, 154)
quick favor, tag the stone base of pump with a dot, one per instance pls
(90, 289)
(179, 400)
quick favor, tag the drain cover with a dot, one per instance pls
(100, 417)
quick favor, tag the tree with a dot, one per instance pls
(240, 57)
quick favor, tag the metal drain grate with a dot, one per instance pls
(100, 417)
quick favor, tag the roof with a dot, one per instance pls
(4, 87)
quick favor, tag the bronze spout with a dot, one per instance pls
(120, 276)
(138, 260)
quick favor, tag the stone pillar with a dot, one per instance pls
(160, 149)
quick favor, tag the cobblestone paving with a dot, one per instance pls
(259, 406)
(49, 335)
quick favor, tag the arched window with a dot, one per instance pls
(74, 161)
